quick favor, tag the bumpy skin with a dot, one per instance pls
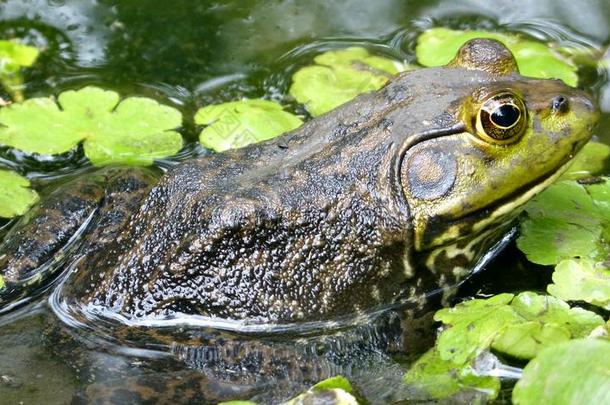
(321, 222)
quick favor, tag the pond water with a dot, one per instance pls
(189, 54)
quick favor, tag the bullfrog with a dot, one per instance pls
(396, 194)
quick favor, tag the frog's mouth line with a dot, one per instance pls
(503, 208)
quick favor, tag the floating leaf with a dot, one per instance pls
(437, 47)
(13, 57)
(563, 222)
(16, 197)
(239, 123)
(474, 325)
(135, 131)
(592, 160)
(582, 280)
(545, 321)
(517, 326)
(443, 379)
(339, 76)
(575, 372)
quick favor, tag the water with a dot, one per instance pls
(188, 54)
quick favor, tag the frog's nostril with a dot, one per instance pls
(560, 104)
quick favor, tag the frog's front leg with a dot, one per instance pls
(33, 250)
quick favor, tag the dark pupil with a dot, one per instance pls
(505, 115)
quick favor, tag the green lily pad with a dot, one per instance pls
(516, 326)
(582, 280)
(339, 76)
(575, 372)
(563, 222)
(438, 46)
(545, 321)
(443, 379)
(473, 327)
(13, 57)
(135, 131)
(16, 197)
(569, 225)
(592, 160)
(239, 123)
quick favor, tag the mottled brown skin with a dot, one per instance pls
(315, 225)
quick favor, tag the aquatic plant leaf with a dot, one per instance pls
(239, 123)
(473, 326)
(339, 76)
(13, 57)
(438, 46)
(545, 321)
(334, 382)
(593, 159)
(16, 197)
(574, 372)
(135, 131)
(582, 280)
(517, 326)
(562, 222)
(443, 379)
(335, 390)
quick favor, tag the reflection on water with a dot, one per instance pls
(196, 52)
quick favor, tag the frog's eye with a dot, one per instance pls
(502, 118)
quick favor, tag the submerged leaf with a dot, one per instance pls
(575, 372)
(339, 76)
(13, 57)
(437, 47)
(443, 379)
(239, 123)
(135, 131)
(16, 197)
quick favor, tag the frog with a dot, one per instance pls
(399, 193)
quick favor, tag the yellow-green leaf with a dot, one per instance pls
(438, 46)
(16, 196)
(135, 131)
(339, 76)
(239, 123)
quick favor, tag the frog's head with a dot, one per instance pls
(511, 137)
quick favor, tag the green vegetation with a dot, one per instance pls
(437, 46)
(134, 131)
(339, 76)
(575, 372)
(13, 57)
(239, 123)
(16, 197)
